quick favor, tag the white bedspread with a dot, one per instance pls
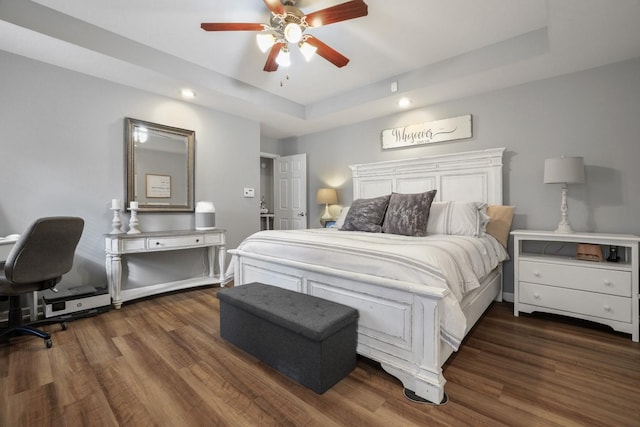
(457, 263)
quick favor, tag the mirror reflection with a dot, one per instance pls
(159, 166)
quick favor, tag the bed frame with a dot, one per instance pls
(399, 324)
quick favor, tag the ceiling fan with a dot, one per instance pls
(288, 25)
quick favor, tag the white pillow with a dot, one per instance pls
(459, 218)
(343, 215)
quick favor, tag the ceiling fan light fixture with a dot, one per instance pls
(265, 41)
(283, 58)
(292, 32)
(307, 50)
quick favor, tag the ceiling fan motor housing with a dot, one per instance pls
(293, 15)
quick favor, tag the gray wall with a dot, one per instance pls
(595, 114)
(62, 145)
(63, 151)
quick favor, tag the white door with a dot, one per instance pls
(290, 176)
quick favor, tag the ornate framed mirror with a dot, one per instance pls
(160, 166)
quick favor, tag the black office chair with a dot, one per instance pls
(37, 262)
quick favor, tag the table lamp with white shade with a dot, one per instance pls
(564, 170)
(326, 196)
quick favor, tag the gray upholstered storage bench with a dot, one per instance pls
(309, 339)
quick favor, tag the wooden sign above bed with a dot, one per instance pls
(427, 133)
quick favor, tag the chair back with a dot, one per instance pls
(45, 250)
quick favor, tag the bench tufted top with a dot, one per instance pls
(307, 315)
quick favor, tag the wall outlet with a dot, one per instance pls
(249, 192)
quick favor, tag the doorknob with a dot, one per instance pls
(301, 214)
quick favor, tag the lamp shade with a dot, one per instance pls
(283, 58)
(307, 50)
(265, 41)
(564, 170)
(327, 196)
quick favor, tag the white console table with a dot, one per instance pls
(119, 245)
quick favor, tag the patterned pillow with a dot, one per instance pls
(366, 214)
(407, 214)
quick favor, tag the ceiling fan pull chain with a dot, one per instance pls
(286, 78)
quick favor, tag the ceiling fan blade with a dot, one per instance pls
(327, 52)
(231, 26)
(271, 64)
(275, 6)
(341, 12)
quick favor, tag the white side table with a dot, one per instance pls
(267, 220)
(603, 292)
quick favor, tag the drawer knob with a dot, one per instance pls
(197, 240)
(608, 283)
(157, 243)
(607, 308)
(537, 274)
(536, 295)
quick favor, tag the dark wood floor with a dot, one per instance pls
(161, 361)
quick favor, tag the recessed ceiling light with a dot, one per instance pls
(404, 102)
(187, 93)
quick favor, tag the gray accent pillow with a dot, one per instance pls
(407, 214)
(366, 214)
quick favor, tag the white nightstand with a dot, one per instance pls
(603, 292)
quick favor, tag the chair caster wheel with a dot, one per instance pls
(49, 343)
(65, 326)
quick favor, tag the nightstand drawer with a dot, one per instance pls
(601, 280)
(573, 301)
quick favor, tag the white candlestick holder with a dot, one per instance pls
(116, 223)
(133, 222)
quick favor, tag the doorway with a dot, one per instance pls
(266, 191)
(283, 192)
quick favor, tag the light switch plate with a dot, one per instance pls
(249, 192)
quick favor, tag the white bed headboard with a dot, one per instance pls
(472, 176)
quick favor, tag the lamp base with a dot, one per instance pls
(564, 228)
(326, 216)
